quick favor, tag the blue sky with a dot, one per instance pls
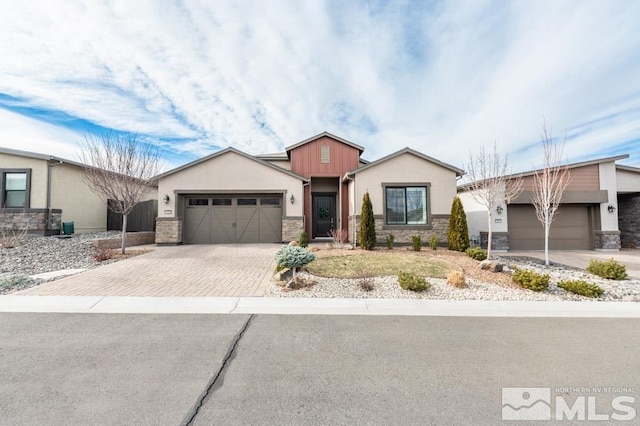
(441, 77)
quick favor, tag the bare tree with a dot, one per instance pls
(549, 184)
(121, 168)
(490, 185)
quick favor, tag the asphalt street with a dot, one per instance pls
(84, 369)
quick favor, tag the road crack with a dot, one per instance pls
(217, 378)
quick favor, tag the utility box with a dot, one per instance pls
(67, 228)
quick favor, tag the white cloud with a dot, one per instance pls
(441, 78)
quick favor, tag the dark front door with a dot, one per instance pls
(324, 214)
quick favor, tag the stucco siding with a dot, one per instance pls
(79, 204)
(38, 194)
(407, 168)
(229, 172)
(627, 181)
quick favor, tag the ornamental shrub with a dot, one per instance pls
(303, 239)
(476, 253)
(582, 288)
(457, 279)
(433, 242)
(416, 242)
(458, 238)
(390, 239)
(367, 237)
(409, 281)
(530, 280)
(293, 257)
(610, 269)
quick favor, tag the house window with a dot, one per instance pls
(325, 154)
(406, 205)
(15, 188)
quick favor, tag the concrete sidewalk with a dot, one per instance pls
(265, 305)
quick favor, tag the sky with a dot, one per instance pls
(441, 77)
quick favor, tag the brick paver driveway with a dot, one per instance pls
(182, 271)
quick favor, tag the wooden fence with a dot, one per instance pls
(142, 217)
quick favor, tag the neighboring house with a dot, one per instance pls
(599, 210)
(316, 185)
(43, 191)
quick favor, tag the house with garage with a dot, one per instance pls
(316, 185)
(599, 211)
(40, 192)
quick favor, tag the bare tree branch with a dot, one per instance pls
(119, 167)
(490, 184)
(550, 183)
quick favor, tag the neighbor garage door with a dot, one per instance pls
(232, 219)
(570, 230)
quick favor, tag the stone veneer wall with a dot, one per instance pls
(499, 240)
(132, 239)
(168, 230)
(37, 221)
(606, 240)
(291, 228)
(439, 228)
(629, 220)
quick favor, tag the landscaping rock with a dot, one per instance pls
(293, 243)
(490, 265)
(347, 247)
(284, 275)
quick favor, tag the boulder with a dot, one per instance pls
(293, 243)
(284, 275)
(347, 247)
(490, 265)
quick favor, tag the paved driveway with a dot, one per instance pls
(580, 258)
(181, 271)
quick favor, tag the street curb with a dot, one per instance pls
(316, 306)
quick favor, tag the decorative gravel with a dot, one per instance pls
(35, 255)
(482, 285)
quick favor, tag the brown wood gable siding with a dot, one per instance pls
(305, 159)
(585, 178)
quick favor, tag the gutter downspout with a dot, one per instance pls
(51, 163)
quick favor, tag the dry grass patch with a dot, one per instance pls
(358, 264)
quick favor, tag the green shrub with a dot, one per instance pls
(476, 253)
(303, 239)
(413, 282)
(582, 288)
(416, 241)
(293, 257)
(367, 237)
(433, 242)
(390, 238)
(610, 269)
(458, 237)
(530, 280)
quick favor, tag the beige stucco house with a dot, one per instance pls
(316, 185)
(42, 191)
(600, 209)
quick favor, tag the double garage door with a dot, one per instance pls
(229, 219)
(570, 230)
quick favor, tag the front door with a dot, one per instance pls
(324, 214)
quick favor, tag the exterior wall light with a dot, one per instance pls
(499, 209)
(611, 208)
(292, 199)
(166, 199)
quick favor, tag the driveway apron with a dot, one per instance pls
(179, 271)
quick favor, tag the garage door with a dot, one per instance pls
(233, 219)
(570, 230)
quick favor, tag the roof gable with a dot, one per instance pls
(328, 135)
(223, 152)
(458, 172)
